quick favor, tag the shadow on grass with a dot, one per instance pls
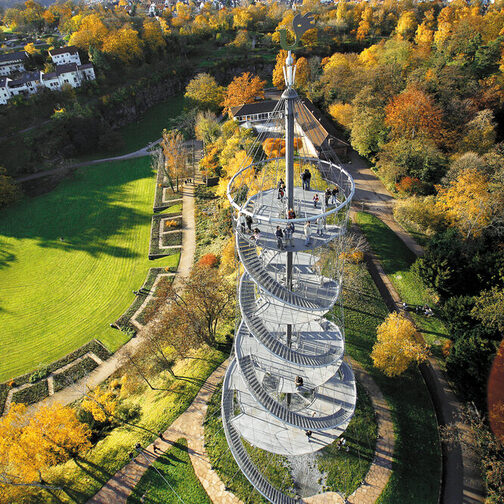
(82, 214)
(95, 471)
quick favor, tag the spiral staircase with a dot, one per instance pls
(287, 390)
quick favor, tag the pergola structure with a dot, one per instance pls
(288, 389)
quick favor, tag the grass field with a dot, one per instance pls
(69, 261)
(417, 457)
(396, 260)
(170, 479)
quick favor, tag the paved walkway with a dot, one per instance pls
(104, 370)
(372, 196)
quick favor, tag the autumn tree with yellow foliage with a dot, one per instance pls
(467, 203)
(396, 348)
(124, 44)
(204, 92)
(29, 445)
(243, 89)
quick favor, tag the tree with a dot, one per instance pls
(368, 132)
(205, 301)
(31, 445)
(243, 89)
(204, 92)
(489, 309)
(302, 73)
(91, 32)
(406, 25)
(30, 49)
(396, 347)
(419, 213)
(342, 113)
(124, 44)
(467, 203)
(207, 128)
(9, 191)
(153, 35)
(413, 113)
(480, 133)
(175, 154)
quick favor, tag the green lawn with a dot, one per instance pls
(396, 259)
(171, 476)
(417, 465)
(58, 294)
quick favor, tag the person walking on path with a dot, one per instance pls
(334, 194)
(327, 196)
(307, 233)
(279, 235)
(288, 232)
(248, 220)
(315, 200)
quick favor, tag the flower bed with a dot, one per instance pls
(144, 316)
(94, 346)
(154, 250)
(32, 394)
(74, 373)
(123, 322)
(171, 239)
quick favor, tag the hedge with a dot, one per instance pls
(32, 394)
(123, 322)
(74, 373)
(154, 250)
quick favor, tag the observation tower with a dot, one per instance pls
(288, 390)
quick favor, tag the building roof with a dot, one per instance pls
(260, 107)
(86, 66)
(49, 76)
(69, 68)
(12, 57)
(3, 82)
(24, 78)
(64, 50)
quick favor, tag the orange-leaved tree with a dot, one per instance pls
(243, 89)
(412, 114)
(396, 347)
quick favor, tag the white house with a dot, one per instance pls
(30, 82)
(27, 84)
(65, 55)
(11, 63)
(4, 90)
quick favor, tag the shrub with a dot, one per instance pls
(409, 185)
(209, 260)
(354, 256)
(38, 374)
(447, 348)
(171, 223)
(419, 213)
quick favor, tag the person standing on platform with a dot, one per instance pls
(279, 236)
(307, 233)
(288, 232)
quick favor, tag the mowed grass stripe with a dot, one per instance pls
(57, 295)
